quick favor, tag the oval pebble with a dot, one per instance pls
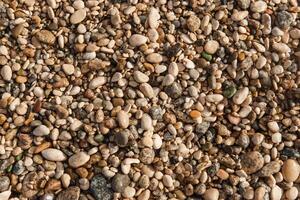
(78, 159)
(240, 96)
(52, 154)
(78, 16)
(41, 130)
(137, 40)
(290, 170)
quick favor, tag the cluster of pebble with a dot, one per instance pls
(146, 99)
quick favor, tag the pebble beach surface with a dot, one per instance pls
(144, 100)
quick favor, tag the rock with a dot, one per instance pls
(97, 82)
(145, 195)
(137, 40)
(273, 126)
(239, 15)
(41, 130)
(123, 119)
(252, 162)
(45, 36)
(258, 6)
(214, 98)
(120, 182)
(52, 3)
(276, 193)
(78, 159)
(6, 73)
(270, 169)
(290, 170)
(147, 90)
(140, 77)
(121, 138)
(4, 183)
(76, 125)
(211, 46)
(71, 193)
(292, 193)
(153, 18)
(240, 96)
(193, 23)
(129, 192)
(5, 195)
(211, 194)
(65, 180)
(100, 188)
(244, 4)
(284, 19)
(154, 58)
(295, 33)
(147, 156)
(30, 185)
(281, 47)
(17, 30)
(78, 16)
(54, 155)
(68, 69)
(174, 91)
(146, 122)
(167, 181)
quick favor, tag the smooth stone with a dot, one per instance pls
(154, 58)
(6, 73)
(146, 122)
(121, 138)
(53, 155)
(153, 18)
(4, 183)
(211, 46)
(292, 193)
(276, 193)
(129, 192)
(71, 193)
(78, 159)
(46, 37)
(211, 194)
(239, 15)
(78, 16)
(5, 195)
(252, 162)
(167, 181)
(123, 119)
(240, 96)
(258, 6)
(41, 130)
(147, 90)
(120, 182)
(270, 169)
(97, 82)
(290, 170)
(281, 47)
(214, 98)
(137, 40)
(140, 77)
(193, 23)
(68, 69)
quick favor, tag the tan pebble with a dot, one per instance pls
(222, 174)
(154, 58)
(214, 98)
(276, 193)
(167, 181)
(45, 36)
(193, 23)
(6, 73)
(211, 46)
(68, 69)
(153, 18)
(290, 170)
(78, 159)
(53, 155)
(240, 96)
(258, 6)
(65, 180)
(78, 16)
(211, 194)
(137, 40)
(145, 195)
(123, 119)
(259, 193)
(147, 90)
(292, 193)
(146, 122)
(97, 82)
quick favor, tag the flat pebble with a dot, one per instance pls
(41, 130)
(211, 46)
(154, 58)
(140, 77)
(53, 155)
(78, 16)
(78, 159)
(146, 122)
(97, 82)
(290, 170)
(137, 40)
(68, 69)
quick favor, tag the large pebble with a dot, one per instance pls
(120, 182)
(290, 170)
(41, 130)
(4, 183)
(140, 77)
(78, 16)
(123, 119)
(53, 155)
(239, 15)
(276, 193)
(100, 188)
(214, 98)
(137, 40)
(167, 180)
(45, 36)
(281, 47)
(146, 122)
(78, 159)
(153, 18)
(211, 46)
(270, 169)
(252, 162)
(240, 96)
(193, 23)
(97, 82)
(258, 6)
(72, 193)
(147, 90)
(154, 58)
(6, 73)
(68, 69)
(211, 194)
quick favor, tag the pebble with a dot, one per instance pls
(123, 119)
(6, 73)
(290, 170)
(65, 180)
(100, 188)
(174, 91)
(276, 193)
(240, 96)
(258, 6)
(284, 19)
(211, 46)
(281, 47)
(5, 195)
(129, 192)
(137, 40)
(121, 138)
(78, 16)
(193, 23)
(78, 159)
(45, 36)
(167, 181)
(270, 169)
(276, 138)
(239, 15)
(153, 18)
(53, 155)
(252, 162)
(120, 182)
(68, 69)
(214, 98)
(97, 82)
(147, 90)
(295, 33)
(4, 183)
(71, 193)
(291, 193)
(244, 4)
(211, 194)
(140, 77)
(154, 58)
(41, 130)
(146, 122)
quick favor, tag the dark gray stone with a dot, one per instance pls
(100, 188)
